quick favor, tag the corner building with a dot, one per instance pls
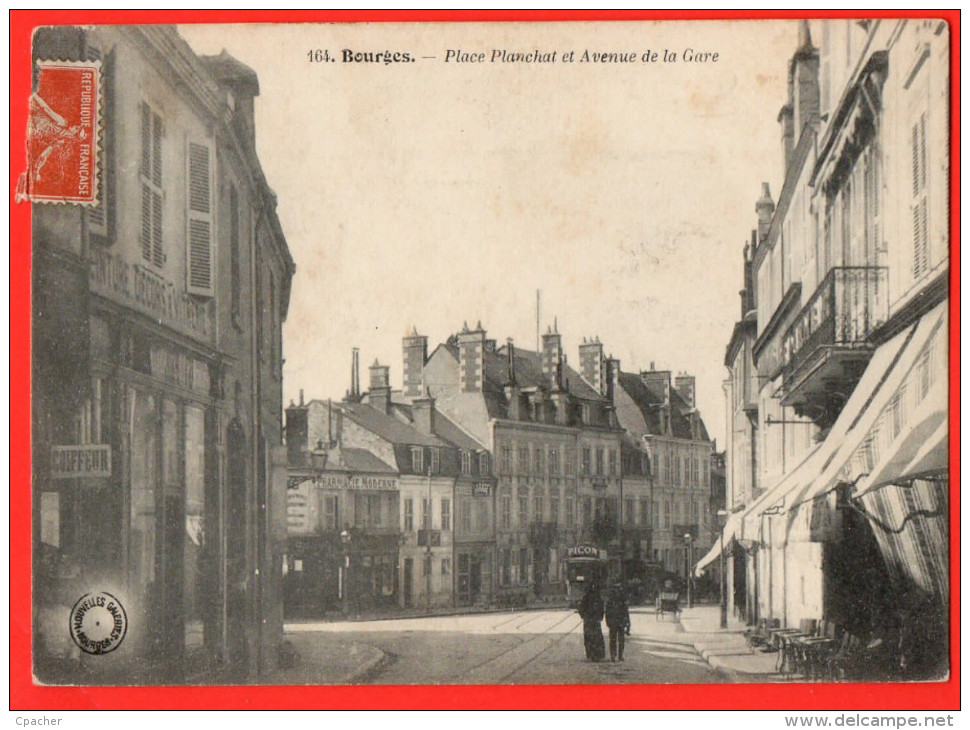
(157, 345)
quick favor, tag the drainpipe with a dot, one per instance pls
(254, 416)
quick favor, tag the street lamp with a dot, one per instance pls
(722, 515)
(345, 541)
(688, 558)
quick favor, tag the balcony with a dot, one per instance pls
(827, 347)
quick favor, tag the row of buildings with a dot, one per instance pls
(468, 485)
(837, 394)
(156, 334)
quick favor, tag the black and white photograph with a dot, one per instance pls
(592, 353)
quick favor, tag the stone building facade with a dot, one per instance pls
(157, 341)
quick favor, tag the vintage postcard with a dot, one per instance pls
(589, 351)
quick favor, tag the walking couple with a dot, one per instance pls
(617, 612)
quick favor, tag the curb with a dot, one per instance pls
(359, 674)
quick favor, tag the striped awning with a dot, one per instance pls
(869, 434)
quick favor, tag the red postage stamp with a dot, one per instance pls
(63, 134)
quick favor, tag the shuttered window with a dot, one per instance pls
(921, 241)
(199, 235)
(152, 131)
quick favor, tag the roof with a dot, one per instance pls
(359, 460)
(445, 429)
(387, 427)
(643, 409)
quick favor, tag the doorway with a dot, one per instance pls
(408, 591)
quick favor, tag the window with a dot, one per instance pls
(235, 266)
(417, 459)
(629, 515)
(666, 513)
(600, 470)
(466, 463)
(570, 512)
(367, 510)
(446, 566)
(199, 233)
(585, 414)
(426, 563)
(523, 464)
(523, 565)
(523, 510)
(330, 515)
(554, 507)
(506, 511)
(644, 512)
(570, 462)
(426, 514)
(538, 507)
(918, 206)
(587, 458)
(484, 468)
(435, 461)
(151, 186)
(445, 514)
(612, 462)
(465, 515)
(537, 461)
(408, 514)
(506, 460)
(587, 511)
(553, 462)
(655, 516)
(506, 576)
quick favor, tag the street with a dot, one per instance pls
(524, 647)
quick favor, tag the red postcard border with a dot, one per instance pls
(25, 695)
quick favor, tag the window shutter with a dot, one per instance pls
(199, 249)
(146, 222)
(919, 206)
(146, 141)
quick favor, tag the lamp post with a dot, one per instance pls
(688, 539)
(722, 515)
(345, 541)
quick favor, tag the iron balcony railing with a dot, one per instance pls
(846, 307)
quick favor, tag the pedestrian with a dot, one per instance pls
(591, 611)
(618, 622)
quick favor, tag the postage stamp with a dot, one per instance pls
(64, 134)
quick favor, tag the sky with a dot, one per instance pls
(432, 193)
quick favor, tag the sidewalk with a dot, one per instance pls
(726, 649)
(325, 658)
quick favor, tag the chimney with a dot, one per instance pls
(786, 121)
(423, 411)
(657, 381)
(613, 384)
(241, 85)
(765, 207)
(353, 395)
(685, 385)
(415, 348)
(551, 355)
(804, 80)
(297, 433)
(512, 392)
(379, 395)
(592, 365)
(471, 354)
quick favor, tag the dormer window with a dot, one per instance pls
(484, 468)
(466, 463)
(417, 459)
(435, 461)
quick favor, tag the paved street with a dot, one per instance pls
(526, 647)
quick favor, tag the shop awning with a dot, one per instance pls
(745, 524)
(866, 447)
(730, 530)
(933, 458)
